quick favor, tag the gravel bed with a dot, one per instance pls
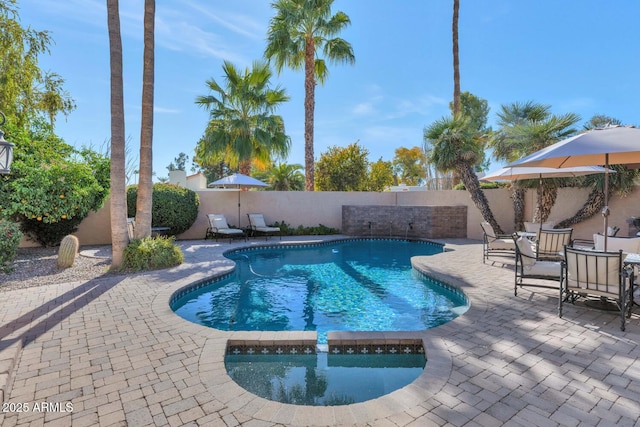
(37, 267)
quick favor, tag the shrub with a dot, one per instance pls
(10, 237)
(52, 186)
(319, 230)
(173, 206)
(151, 253)
(483, 186)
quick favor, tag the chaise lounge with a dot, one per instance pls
(218, 227)
(258, 225)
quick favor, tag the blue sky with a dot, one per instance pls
(580, 56)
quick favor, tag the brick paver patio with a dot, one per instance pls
(111, 352)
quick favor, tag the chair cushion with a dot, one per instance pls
(551, 269)
(268, 229)
(533, 227)
(502, 244)
(257, 220)
(629, 245)
(524, 246)
(602, 272)
(219, 222)
(229, 231)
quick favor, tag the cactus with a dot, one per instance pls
(68, 251)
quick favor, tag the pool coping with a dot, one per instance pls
(214, 377)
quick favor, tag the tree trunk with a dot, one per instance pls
(309, 107)
(518, 207)
(472, 184)
(119, 235)
(546, 199)
(593, 206)
(144, 201)
(456, 59)
(245, 168)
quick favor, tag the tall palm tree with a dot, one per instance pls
(242, 127)
(119, 235)
(145, 183)
(454, 146)
(526, 128)
(296, 35)
(456, 59)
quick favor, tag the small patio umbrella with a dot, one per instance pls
(239, 181)
(601, 146)
(520, 173)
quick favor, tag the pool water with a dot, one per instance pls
(323, 379)
(352, 285)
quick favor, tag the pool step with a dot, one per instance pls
(9, 353)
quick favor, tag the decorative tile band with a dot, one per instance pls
(362, 347)
(375, 349)
(270, 350)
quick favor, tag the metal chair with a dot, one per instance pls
(492, 243)
(529, 267)
(601, 275)
(551, 242)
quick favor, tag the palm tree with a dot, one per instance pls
(242, 127)
(286, 177)
(145, 185)
(119, 235)
(454, 146)
(456, 59)
(526, 128)
(296, 35)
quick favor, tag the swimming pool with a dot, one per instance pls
(348, 285)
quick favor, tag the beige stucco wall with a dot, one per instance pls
(313, 208)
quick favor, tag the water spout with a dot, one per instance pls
(406, 230)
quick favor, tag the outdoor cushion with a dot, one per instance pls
(544, 268)
(219, 224)
(257, 221)
(593, 272)
(524, 246)
(533, 227)
(626, 244)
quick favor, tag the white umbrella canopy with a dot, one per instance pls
(239, 181)
(617, 145)
(519, 173)
(538, 172)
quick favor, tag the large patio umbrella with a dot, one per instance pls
(238, 181)
(533, 172)
(601, 146)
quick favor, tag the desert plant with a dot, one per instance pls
(10, 237)
(68, 251)
(173, 206)
(151, 253)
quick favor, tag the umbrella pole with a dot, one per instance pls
(605, 211)
(539, 204)
(238, 207)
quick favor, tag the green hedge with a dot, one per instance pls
(173, 206)
(10, 237)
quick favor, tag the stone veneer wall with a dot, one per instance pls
(431, 222)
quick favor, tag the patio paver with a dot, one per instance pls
(113, 350)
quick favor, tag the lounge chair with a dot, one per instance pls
(588, 273)
(257, 225)
(218, 227)
(529, 267)
(492, 243)
(550, 243)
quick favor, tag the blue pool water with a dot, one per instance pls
(352, 285)
(324, 379)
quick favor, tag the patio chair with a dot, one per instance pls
(131, 228)
(257, 225)
(495, 244)
(218, 227)
(534, 227)
(550, 243)
(588, 273)
(529, 267)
